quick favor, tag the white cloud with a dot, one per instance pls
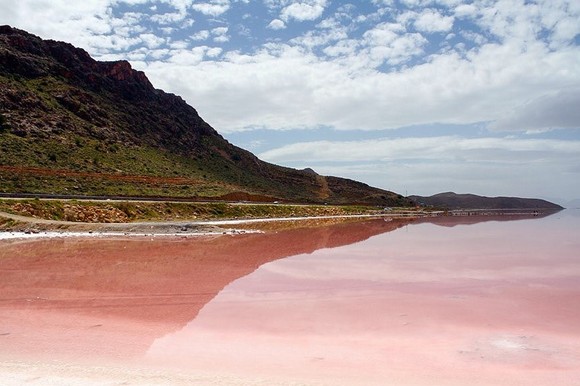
(187, 57)
(384, 33)
(213, 52)
(58, 19)
(432, 21)
(383, 2)
(200, 35)
(151, 40)
(276, 24)
(179, 45)
(347, 47)
(303, 10)
(555, 111)
(192, 57)
(483, 85)
(474, 37)
(320, 38)
(213, 8)
(168, 18)
(274, 5)
(167, 30)
(466, 10)
(220, 34)
(449, 3)
(389, 42)
(510, 150)
(417, 3)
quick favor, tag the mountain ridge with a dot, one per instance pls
(452, 200)
(62, 110)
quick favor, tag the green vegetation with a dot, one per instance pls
(81, 137)
(86, 166)
(83, 165)
(127, 211)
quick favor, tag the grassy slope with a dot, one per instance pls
(71, 151)
(210, 173)
(114, 211)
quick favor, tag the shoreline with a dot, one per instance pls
(31, 228)
(166, 229)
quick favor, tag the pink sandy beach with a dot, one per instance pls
(373, 303)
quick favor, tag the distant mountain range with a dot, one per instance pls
(452, 200)
(72, 125)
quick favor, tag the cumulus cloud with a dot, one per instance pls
(277, 24)
(303, 10)
(417, 3)
(465, 10)
(200, 35)
(168, 18)
(220, 34)
(383, 2)
(433, 21)
(389, 42)
(57, 19)
(451, 88)
(151, 40)
(189, 57)
(324, 38)
(213, 8)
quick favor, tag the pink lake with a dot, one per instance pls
(443, 301)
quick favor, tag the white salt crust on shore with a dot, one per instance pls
(52, 235)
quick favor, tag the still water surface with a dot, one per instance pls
(444, 301)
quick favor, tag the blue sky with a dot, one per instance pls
(414, 96)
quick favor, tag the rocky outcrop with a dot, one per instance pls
(103, 95)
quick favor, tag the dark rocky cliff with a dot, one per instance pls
(63, 114)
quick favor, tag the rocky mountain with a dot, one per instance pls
(72, 125)
(452, 200)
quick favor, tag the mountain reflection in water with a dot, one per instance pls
(446, 301)
(158, 285)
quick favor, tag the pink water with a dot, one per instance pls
(437, 302)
